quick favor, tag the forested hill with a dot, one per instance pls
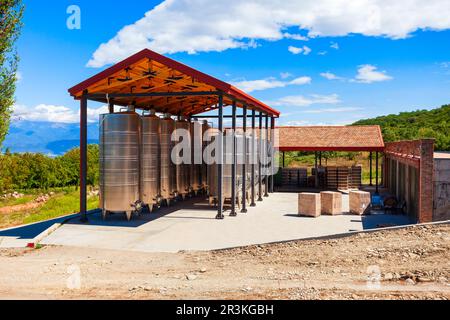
(414, 125)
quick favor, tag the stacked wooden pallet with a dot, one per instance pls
(321, 175)
(294, 176)
(342, 180)
(355, 178)
(332, 177)
(338, 178)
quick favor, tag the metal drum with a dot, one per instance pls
(168, 170)
(119, 163)
(182, 170)
(150, 160)
(195, 174)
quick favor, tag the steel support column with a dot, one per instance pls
(316, 178)
(272, 141)
(260, 190)
(266, 153)
(284, 159)
(376, 174)
(220, 162)
(233, 165)
(244, 161)
(111, 106)
(254, 149)
(83, 157)
(371, 169)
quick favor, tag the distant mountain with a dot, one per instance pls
(433, 123)
(46, 137)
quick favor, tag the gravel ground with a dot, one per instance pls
(409, 263)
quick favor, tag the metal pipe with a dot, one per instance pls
(259, 158)
(244, 158)
(252, 180)
(219, 164)
(370, 165)
(83, 158)
(316, 180)
(272, 140)
(233, 165)
(376, 174)
(266, 153)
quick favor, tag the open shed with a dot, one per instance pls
(150, 81)
(319, 139)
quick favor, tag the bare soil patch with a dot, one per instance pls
(410, 263)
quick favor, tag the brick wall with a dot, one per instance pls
(418, 154)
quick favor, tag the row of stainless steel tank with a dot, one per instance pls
(136, 168)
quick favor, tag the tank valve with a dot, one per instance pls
(138, 205)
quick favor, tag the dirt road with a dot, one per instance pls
(412, 263)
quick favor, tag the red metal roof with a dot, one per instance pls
(331, 138)
(171, 64)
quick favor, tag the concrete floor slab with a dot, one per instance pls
(191, 225)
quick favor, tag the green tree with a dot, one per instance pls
(418, 124)
(11, 12)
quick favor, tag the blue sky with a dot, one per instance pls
(315, 65)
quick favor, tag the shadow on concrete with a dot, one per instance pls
(32, 230)
(197, 204)
(370, 222)
(385, 220)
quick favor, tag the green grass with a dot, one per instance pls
(64, 202)
(15, 202)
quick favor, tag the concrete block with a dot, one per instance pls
(309, 204)
(359, 202)
(331, 202)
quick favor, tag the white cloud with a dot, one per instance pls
(304, 123)
(298, 37)
(302, 101)
(334, 45)
(52, 113)
(330, 76)
(200, 26)
(368, 74)
(322, 53)
(296, 123)
(295, 50)
(19, 76)
(285, 75)
(269, 83)
(306, 50)
(333, 110)
(301, 81)
(258, 85)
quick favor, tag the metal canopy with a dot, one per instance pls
(148, 80)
